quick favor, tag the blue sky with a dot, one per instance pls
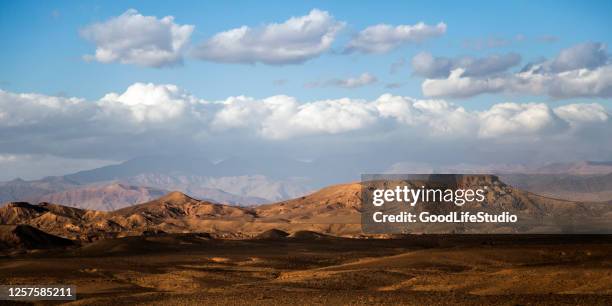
(89, 83)
(43, 49)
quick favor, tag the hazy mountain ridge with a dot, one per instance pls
(233, 181)
(106, 197)
(240, 182)
(254, 189)
(110, 195)
(579, 168)
(20, 190)
(590, 188)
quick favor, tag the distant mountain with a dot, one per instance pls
(256, 181)
(233, 180)
(319, 172)
(589, 188)
(146, 178)
(20, 190)
(102, 197)
(575, 181)
(272, 167)
(569, 168)
(245, 190)
(111, 195)
(577, 168)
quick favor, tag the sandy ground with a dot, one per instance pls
(421, 270)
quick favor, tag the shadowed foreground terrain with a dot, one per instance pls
(310, 268)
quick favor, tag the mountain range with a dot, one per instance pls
(335, 210)
(242, 182)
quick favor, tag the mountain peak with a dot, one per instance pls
(176, 196)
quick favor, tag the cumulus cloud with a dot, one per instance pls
(426, 65)
(580, 71)
(382, 38)
(512, 119)
(132, 38)
(351, 82)
(150, 103)
(294, 41)
(164, 118)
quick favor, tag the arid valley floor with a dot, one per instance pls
(309, 268)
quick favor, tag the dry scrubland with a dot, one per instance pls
(309, 268)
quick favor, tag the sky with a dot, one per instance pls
(89, 83)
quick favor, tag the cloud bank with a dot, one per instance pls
(153, 118)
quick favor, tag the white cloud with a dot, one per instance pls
(457, 86)
(568, 84)
(577, 114)
(580, 71)
(350, 82)
(294, 41)
(150, 103)
(512, 119)
(582, 83)
(435, 117)
(132, 38)
(36, 110)
(282, 117)
(383, 38)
